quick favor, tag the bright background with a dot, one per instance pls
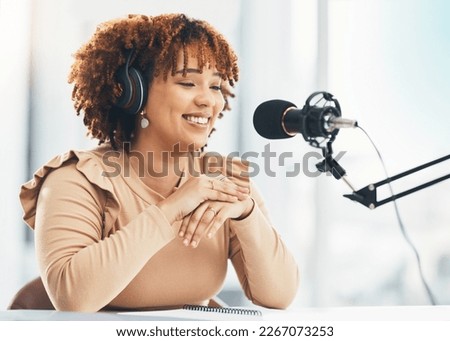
(386, 61)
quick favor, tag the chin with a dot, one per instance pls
(192, 146)
(197, 146)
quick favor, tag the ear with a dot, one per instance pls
(134, 88)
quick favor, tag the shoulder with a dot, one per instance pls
(84, 166)
(76, 170)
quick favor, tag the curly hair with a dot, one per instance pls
(156, 41)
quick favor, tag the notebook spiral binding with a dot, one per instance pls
(224, 310)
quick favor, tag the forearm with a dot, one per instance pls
(83, 274)
(81, 268)
(267, 270)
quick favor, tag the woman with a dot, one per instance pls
(145, 220)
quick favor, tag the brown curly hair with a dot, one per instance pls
(156, 41)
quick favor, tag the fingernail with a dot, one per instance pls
(181, 234)
(186, 242)
(210, 235)
(194, 244)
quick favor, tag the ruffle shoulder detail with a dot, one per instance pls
(88, 163)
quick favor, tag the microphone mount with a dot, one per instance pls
(367, 196)
(320, 107)
(329, 110)
(329, 164)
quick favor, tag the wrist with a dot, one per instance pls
(165, 208)
(248, 209)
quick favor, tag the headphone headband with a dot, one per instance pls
(134, 87)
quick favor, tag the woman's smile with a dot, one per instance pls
(199, 121)
(183, 108)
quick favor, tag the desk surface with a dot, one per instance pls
(376, 313)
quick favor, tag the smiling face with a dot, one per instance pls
(183, 108)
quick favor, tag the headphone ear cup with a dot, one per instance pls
(134, 90)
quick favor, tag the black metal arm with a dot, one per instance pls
(368, 195)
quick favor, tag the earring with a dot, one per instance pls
(144, 121)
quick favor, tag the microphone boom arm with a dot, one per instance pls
(367, 196)
(320, 117)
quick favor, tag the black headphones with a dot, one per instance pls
(134, 88)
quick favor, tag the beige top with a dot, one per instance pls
(101, 241)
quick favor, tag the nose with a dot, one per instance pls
(205, 98)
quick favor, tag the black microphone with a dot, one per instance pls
(278, 119)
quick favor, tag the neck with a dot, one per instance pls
(159, 167)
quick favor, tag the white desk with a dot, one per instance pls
(52, 315)
(378, 313)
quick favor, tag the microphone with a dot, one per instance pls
(279, 119)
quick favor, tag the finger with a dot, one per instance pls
(227, 180)
(194, 221)
(229, 192)
(219, 196)
(184, 225)
(219, 220)
(227, 187)
(202, 227)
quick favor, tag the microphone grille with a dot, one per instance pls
(268, 116)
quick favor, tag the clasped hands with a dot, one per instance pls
(203, 204)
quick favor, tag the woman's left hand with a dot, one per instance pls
(208, 217)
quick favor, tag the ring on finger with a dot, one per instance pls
(212, 209)
(223, 177)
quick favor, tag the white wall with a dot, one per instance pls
(388, 65)
(15, 19)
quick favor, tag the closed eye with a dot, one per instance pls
(187, 84)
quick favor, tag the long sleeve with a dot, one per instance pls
(82, 271)
(266, 269)
(101, 242)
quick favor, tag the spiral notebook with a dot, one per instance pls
(239, 312)
(202, 313)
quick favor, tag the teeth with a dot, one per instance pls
(196, 119)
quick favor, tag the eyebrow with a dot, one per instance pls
(190, 70)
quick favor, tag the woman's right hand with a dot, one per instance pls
(195, 191)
